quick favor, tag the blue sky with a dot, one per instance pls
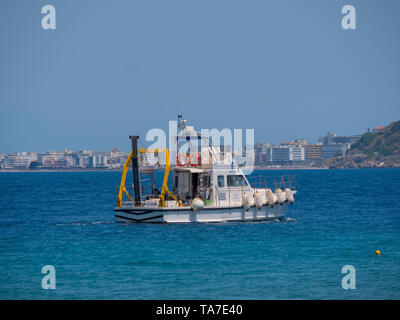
(115, 68)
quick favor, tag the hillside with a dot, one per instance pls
(373, 149)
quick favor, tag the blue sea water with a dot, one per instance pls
(340, 217)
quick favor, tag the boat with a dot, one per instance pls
(208, 186)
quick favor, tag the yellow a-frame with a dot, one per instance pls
(122, 188)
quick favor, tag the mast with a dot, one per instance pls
(135, 171)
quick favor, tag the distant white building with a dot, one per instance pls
(20, 160)
(2, 157)
(83, 160)
(116, 159)
(297, 154)
(98, 160)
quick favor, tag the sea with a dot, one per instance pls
(65, 220)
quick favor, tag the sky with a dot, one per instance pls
(111, 69)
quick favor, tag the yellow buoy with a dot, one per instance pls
(378, 253)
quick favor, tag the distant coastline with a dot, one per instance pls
(255, 168)
(290, 168)
(60, 170)
(120, 170)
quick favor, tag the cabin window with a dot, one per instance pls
(236, 181)
(221, 181)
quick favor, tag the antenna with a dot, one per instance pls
(135, 170)
(181, 122)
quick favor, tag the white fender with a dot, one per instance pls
(197, 204)
(289, 195)
(280, 195)
(258, 201)
(270, 198)
(246, 202)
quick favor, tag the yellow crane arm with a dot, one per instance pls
(122, 188)
(165, 182)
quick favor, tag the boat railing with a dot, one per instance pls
(153, 193)
(273, 182)
(149, 194)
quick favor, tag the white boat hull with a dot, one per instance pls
(207, 215)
